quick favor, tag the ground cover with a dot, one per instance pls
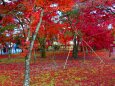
(50, 72)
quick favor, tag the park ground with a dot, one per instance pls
(88, 71)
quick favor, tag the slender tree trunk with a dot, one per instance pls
(75, 47)
(28, 57)
(35, 55)
(42, 42)
(86, 50)
(43, 48)
(43, 52)
(9, 51)
(1, 51)
(84, 53)
(28, 35)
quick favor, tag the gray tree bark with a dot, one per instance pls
(28, 57)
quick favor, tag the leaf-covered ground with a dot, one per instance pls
(49, 72)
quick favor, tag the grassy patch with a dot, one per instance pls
(12, 60)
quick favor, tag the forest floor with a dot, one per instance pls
(90, 70)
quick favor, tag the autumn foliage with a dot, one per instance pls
(40, 23)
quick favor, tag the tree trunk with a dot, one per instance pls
(9, 51)
(43, 51)
(86, 51)
(35, 55)
(75, 47)
(42, 42)
(28, 57)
